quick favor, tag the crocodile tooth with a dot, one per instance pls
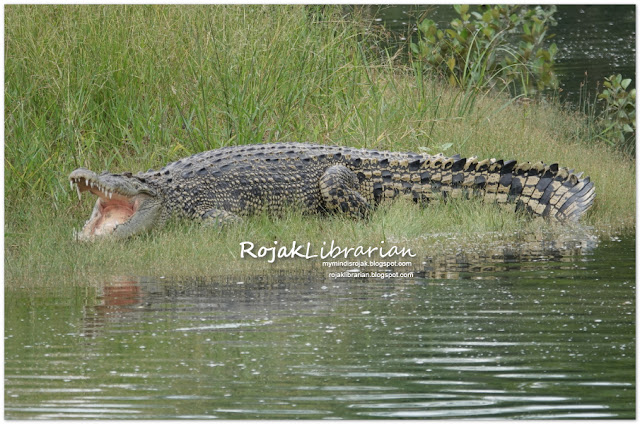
(71, 184)
(78, 190)
(110, 195)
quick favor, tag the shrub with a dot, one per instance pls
(494, 47)
(618, 117)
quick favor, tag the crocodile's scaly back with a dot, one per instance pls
(224, 184)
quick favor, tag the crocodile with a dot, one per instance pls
(221, 186)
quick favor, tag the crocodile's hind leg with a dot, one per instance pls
(338, 186)
(219, 217)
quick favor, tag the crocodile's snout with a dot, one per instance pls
(119, 200)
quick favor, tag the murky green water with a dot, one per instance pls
(546, 336)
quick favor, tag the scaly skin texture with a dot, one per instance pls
(220, 186)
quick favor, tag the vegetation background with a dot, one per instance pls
(127, 88)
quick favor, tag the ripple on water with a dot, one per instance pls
(516, 345)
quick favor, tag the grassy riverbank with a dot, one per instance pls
(134, 87)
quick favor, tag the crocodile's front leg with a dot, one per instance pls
(219, 217)
(338, 187)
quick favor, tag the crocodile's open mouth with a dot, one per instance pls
(111, 208)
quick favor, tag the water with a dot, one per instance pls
(594, 41)
(517, 336)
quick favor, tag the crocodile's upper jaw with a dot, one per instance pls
(124, 207)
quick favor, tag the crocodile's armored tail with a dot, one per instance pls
(544, 190)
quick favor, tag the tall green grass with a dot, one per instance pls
(135, 87)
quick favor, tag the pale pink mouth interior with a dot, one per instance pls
(110, 214)
(111, 210)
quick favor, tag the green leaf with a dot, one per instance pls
(425, 25)
(451, 63)
(625, 83)
(464, 34)
(446, 146)
(451, 33)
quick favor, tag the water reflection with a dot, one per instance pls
(496, 255)
(113, 301)
(125, 297)
(235, 302)
(556, 339)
